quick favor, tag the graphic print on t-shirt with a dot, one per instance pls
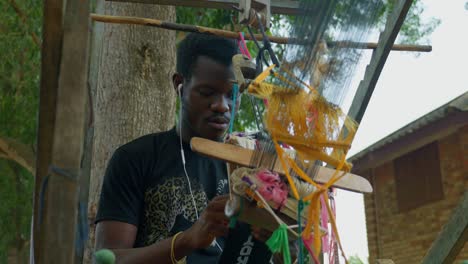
(168, 200)
(222, 186)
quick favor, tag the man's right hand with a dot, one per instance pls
(211, 224)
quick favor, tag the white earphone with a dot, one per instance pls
(179, 90)
(182, 154)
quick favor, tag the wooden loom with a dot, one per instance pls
(240, 156)
(250, 212)
(63, 27)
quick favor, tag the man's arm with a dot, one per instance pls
(120, 237)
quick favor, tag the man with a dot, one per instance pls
(160, 201)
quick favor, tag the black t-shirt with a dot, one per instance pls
(145, 185)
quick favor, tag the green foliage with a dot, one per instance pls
(355, 260)
(414, 30)
(19, 90)
(15, 208)
(19, 69)
(219, 18)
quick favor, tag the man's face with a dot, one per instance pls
(207, 99)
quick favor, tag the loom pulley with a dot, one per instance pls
(253, 12)
(244, 71)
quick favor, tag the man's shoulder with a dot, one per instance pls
(147, 143)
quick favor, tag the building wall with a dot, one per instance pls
(405, 237)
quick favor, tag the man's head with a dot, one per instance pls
(204, 77)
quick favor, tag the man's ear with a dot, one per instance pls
(177, 82)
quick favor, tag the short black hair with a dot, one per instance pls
(195, 44)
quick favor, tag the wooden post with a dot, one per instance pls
(452, 238)
(63, 97)
(95, 51)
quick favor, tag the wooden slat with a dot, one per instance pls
(242, 156)
(55, 242)
(50, 64)
(379, 57)
(287, 7)
(452, 238)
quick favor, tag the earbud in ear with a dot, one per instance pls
(179, 89)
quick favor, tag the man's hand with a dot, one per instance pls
(212, 223)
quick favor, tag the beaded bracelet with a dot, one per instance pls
(174, 260)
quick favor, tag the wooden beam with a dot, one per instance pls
(235, 35)
(452, 238)
(379, 57)
(58, 199)
(50, 64)
(286, 7)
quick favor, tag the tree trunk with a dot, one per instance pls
(133, 95)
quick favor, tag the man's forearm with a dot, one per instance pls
(159, 252)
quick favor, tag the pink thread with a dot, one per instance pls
(307, 243)
(324, 218)
(332, 257)
(311, 118)
(243, 47)
(272, 188)
(245, 51)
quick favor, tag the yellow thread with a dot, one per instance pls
(297, 115)
(286, 170)
(335, 229)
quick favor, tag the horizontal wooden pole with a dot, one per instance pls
(241, 156)
(285, 7)
(235, 35)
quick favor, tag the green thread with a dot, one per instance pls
(300, 207)
(104, 256)
(233, 219)
(278, 242)
(235, 91)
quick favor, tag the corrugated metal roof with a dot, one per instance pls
(458, 104)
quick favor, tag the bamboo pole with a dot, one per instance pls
(235, 35)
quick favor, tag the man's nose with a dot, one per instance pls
(220, 104)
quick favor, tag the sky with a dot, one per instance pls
(409, 87)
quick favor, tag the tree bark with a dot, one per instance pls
(133, 95)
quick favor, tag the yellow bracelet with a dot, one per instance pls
(174, 260)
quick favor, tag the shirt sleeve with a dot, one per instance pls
(122, 191)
